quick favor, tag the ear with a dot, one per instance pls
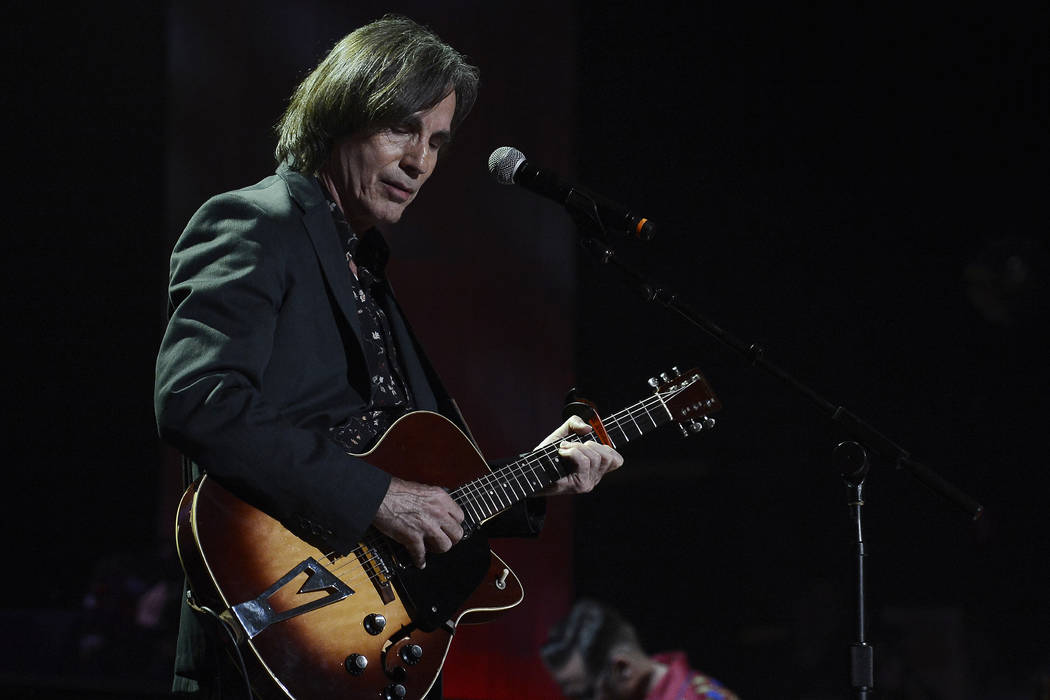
(622, 668)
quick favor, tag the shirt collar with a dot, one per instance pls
(369, 250)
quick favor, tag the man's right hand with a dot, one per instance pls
(420, 517)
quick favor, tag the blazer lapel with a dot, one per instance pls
(317, 220)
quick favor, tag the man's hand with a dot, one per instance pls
(422, 518)
(590, 460)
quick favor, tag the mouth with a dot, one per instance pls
(397, 192)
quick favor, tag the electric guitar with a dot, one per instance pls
(311, 619)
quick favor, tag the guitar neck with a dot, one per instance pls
(487, 496)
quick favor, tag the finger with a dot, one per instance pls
(438, 542)
(584, 475)
(610, 459)
(584, 455)
(455, 531)
(574, 425)
(577, 425)
(417, 552)
(456, 513)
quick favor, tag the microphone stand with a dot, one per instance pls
(852, 456)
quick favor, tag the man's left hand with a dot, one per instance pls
(589, 460)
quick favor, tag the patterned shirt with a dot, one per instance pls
(682, 683)
(390, 397)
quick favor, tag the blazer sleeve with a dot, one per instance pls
(228, 284)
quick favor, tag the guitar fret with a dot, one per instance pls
(637, 427)
(508, 492)
(475, 503)
(510, 481)
(630, 416)
(493, 507)
(471, 505)
(493, 493)
(645, 409)
(533, 481)
(487, 509)
(555, 466)
(471, 514)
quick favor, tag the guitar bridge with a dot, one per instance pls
(372, 561)
(257, 614)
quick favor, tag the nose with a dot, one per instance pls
(416, 160)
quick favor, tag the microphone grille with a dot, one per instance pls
(504, 163)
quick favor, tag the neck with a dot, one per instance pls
(330, 183)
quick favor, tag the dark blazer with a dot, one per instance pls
(262, 355)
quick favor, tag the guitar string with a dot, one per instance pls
(616, 421)
(376, 547)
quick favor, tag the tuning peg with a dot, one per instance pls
(708, 422)
(682, 429)
(654, 382)
(675, 371)
(665, 377)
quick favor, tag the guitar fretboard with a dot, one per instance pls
(489, 495)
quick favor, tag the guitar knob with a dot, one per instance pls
(394, 691)
(355, 664)
(375, 624)
(411, 654)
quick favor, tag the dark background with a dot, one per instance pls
(860, 192)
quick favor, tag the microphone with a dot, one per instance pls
(509, 166)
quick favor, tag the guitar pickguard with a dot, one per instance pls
(435, 593)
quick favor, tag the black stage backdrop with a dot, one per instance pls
(860, 192)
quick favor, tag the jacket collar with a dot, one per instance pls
(306, 193)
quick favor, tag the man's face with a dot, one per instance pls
(620, 679)
(378, 173)
(575, 682)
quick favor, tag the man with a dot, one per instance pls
(286, 352)
(595, 654)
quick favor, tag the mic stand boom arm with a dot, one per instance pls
(858, 429)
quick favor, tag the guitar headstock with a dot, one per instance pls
(689, 398)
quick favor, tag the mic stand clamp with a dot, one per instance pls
(852, 460)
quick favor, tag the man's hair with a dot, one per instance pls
(375, 77)
(592, 629)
